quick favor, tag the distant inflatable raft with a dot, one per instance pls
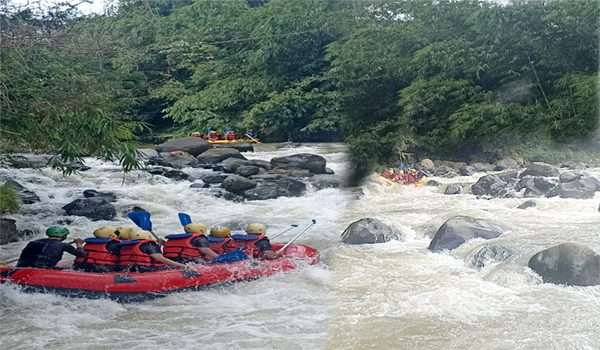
(134, 286)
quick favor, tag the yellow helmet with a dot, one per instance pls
(105, 232)
(195, 228)
(141, 235)
(256, 229)
(124, 233)
(220, 231)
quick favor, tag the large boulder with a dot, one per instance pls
(568, 176)
(263, 191)
(175, 159)
(146, 154)
(290, 187)
(26, 196)
(540, 169)
(8, 231)
(95, 208)
(568, 263)
(315, 163)
(230, 165)
(490, 185)
(535, 186)
(369, 231)
(213, 178)
(459, 229)
(489, 254)
(216, 155)
(247, 170)
(237, 184)
(583, 188)
(191, 145)
(24, 160)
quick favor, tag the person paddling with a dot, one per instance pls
(102, 251)
(265, 250)
(143, 254)
(47, 252)
(193, 246)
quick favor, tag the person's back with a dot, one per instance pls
(102, 252)
(143, 254)
(193, 246)
(47, 252)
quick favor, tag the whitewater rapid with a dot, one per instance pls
(396, 295)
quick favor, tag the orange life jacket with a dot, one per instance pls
(132, 255)
(181, 247)
(97, 252)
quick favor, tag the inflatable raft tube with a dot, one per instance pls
(135, 286)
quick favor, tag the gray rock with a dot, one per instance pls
(509, 176)
(324, 181)
(146, 154)
(199, 184)
(191, 145)
(482, 167)
(217, 155)
(568, 176)
(294, 172)
(213, 178)
(490, 185)
(169, 173)
(453, 189)
(260, 163)
(263, 191)
(427, 164)
(24, 160)
(237, 184)
(230, 165)
(459, 229)
(490, 254)
(247, 170)
(176, 160)
(527, 204)
(536, 186)
(26, 196)
(569, 264)
(289, 187)
(93, 208)
(506, 163)
(369, 231)
(109, 196)
(445, 171)
(540, 169)
(329, 171)
(312, 162)
(466, 170)
(583, 188)
(432, 183)
(8, 231)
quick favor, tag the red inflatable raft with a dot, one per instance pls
(133, 286)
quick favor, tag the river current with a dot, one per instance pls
(395, 295)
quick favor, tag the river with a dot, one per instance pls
(396, 295)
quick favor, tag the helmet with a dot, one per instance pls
(105, 232)
(195, 228)
(220, 231)
(124, 233)
(141, 235)
(57, 231)
(256, 229)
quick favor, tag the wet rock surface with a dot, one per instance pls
(369, 231)
(191, 145)
(95, 208)
(489, 254)
(569, 264)
(459, 229)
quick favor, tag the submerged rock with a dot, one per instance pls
(369, 231)
(568, 263)
(109, 196)
(191, 145)
(527, 204)
(312, 162)
(94, 208)
(459, 229)
(490, 254)
(453, 189)
(169, 173)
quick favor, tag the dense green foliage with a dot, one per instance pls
(8, 200)
(446, 77)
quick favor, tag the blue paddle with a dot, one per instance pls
(184, 219)
(142, 220)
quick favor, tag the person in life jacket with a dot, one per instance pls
(102, 252)
(193, 246)
(143, 254)
(262, 244)
(213, 136)
(222, 242)
(124, 233)
(47, 252)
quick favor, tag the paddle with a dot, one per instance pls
(142, 220)
(184, 219)
(252, 138)
(292, 226)
(297, 236)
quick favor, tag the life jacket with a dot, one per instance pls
(132, 255)
(221, 245)
(251, 249)
(179, 246)
(98, 253)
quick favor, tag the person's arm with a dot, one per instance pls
(159, 257)
(203, 246)
(208, 252)
(266, 250)
(79, 252)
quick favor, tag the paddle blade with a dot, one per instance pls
(141, 219)
(236, 255)
(184, 219)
